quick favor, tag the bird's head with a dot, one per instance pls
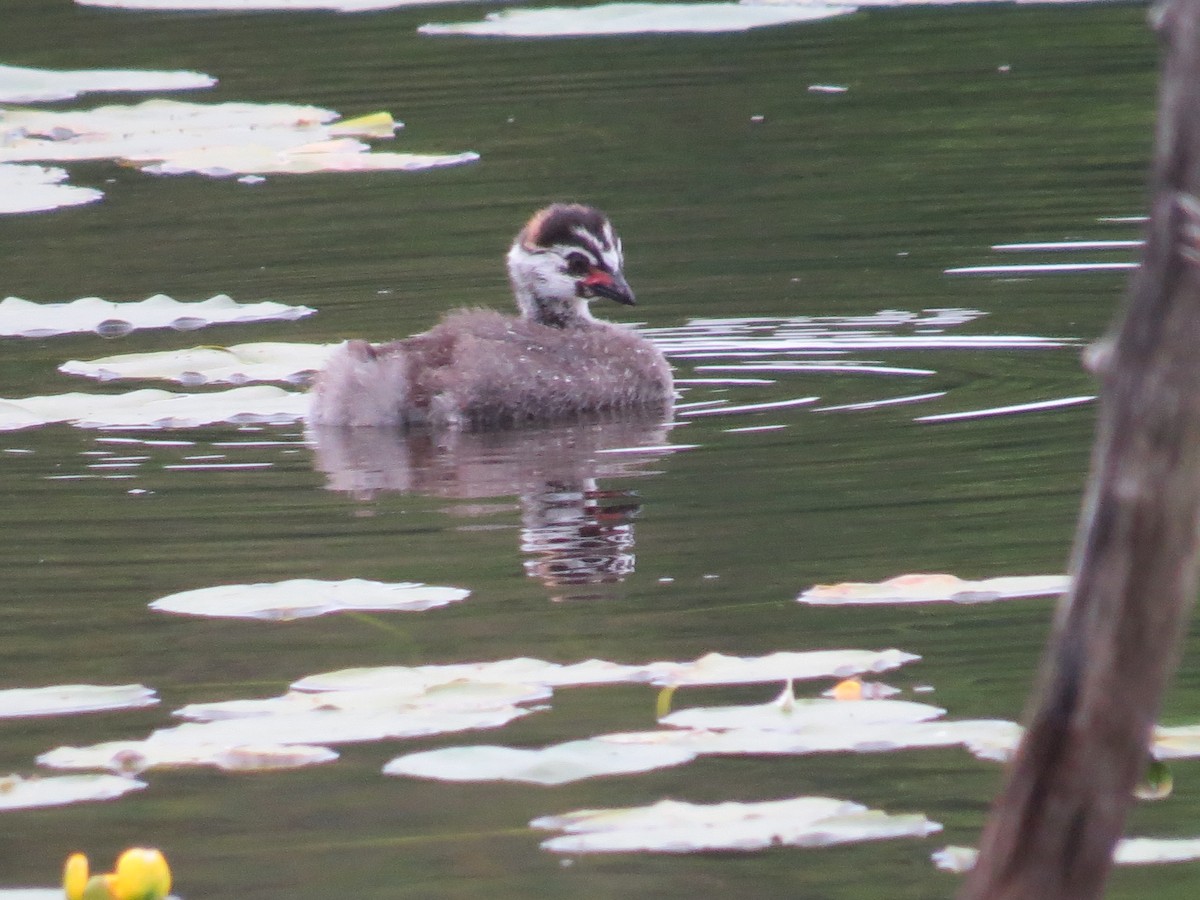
(565, 256)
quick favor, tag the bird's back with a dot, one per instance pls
(480, 369)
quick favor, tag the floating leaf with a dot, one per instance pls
(832, 737)
(19, 84)
(557, 764)
(168, 137)
(711, 669)
(786, 713)
(158, 752)
(454, 695)
(1135, 851)
(28, 793)
(636, 18)
(344, 6)
(23, 318)
(673, 827)
(241, 363)
(73, 698)
(716, 668)
(301, 598)
(26, 189)
(150, 408)
(930, 588)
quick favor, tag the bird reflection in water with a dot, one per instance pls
(575, 535)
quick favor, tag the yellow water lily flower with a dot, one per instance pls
(142, 874)
(75, 876)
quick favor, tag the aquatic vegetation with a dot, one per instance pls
(933, 588)
(1130, 851)
(241, 363)
(714, 668)
(73, 698)
(301, 598)
(35, 791)
(24, 318)
(22, 84)
(150, 408)
(673, 827)
(170, 137)
(141, 873)
(557, 764)
(26, 189)
(637, 18)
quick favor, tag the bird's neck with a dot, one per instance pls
(554, 311)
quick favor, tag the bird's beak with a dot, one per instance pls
(610, 285)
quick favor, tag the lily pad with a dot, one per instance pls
(454, 695)
(670, 826)
(833, 737)
(19, 84)
(303, 598)
(712, 669)
(1134, 851)
(23, 318)
(168, 137)
(25, 189)
(933, 588)
(789, 714)
(73, 698)
(557, 764)
(343, 6)
(133, 757)
(716, 668)
(150, 408)
(239, 364)
(637, 18)
(29, 793)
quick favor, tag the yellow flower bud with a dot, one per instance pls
(142, 874)
(75, 876)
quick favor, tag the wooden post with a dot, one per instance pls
(1053, 828)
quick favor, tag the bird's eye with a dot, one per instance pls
(577, 264)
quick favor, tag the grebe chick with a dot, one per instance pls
(480, 369)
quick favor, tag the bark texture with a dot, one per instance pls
(1053, 828)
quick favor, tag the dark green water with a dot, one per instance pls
(832, 205)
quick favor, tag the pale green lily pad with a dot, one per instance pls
(707, 670)
(301, 598)
(1173, 742)
(833, 737)
(789, 714)
(19, 84)
(239, 364)
(933, 588)
(553, 765)
(150, 408)
(715, 668)
(26, 189)
(637, 18)
(168, 137)
(23, 318)
(30, 793)
(73, 698)
(673, 827)
(132, 757)
(343, 6)
(207, 743)
(455, 695)
(1176, 742)
(1134, 851)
